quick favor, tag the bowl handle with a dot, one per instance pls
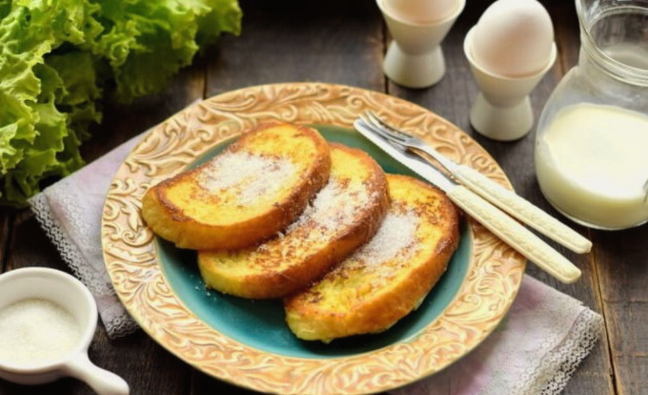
(100, 380)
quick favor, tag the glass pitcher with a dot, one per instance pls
(591, 152)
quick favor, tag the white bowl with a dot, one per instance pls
(68, 292)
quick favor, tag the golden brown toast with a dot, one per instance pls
(387, 278)
(344, 215)
(256, 187)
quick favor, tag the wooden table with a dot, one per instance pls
(344, 41)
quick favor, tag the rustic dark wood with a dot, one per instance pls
(452, 98)
(6, 217)
(121, 121)
(146, 366)
(595, 368)
(285, 41)
(622, 264)
(336, 41)
(344, 42)
(567, 33)
(29, 246)
(202, 384)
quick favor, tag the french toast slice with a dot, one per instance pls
(256, 187)
(344, 215)
(388, 277)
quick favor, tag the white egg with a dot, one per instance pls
(420, 11)
(513, 38)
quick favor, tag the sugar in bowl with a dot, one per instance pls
(591, 153)
(47, 321)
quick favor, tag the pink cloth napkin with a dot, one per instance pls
(70, 213)
(534, 350)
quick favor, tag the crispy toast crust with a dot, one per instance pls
(321, 314)
(170, 217)
(293, 261)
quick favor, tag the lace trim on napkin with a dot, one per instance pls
(67, 248)
(551, 374)
(118, 325)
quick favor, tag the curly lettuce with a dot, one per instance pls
(58, 57)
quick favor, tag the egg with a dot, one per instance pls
(513, 38)
(420, 11)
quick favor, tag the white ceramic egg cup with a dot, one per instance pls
(68, 292)
(414, 58)
(502, 110)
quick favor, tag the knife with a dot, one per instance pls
(506, 228)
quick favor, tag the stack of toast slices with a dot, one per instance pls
(281, 213)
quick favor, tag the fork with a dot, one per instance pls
(506, 200)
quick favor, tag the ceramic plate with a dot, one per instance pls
(247, 342)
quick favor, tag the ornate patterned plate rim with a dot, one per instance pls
(490, 286)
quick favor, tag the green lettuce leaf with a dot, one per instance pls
(146, 42)
(58, 57)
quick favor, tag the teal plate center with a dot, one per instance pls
(260, 323)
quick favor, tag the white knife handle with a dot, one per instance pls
(522, 209)
(515, 235)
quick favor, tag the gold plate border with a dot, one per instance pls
(130, 256)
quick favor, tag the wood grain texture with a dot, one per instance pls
(622, 264)
(121, 121)
(595, 375)
(620, 260)
(202, 384)
(147, 367)
(343, 42)
(452, 98)
(290, 40)
(567, 33)
(6, 217)
(25, 234)
(138, 359)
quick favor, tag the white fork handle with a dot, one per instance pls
(522, 209)
(515, 235)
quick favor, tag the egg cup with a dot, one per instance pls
(414, 58)
(68, 292)
(502, 110)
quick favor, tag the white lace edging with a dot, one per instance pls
(66, 247)
(551, 374)
(119, 325)
(565, 358)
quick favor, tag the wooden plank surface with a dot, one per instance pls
(333, 41)
(329, 41)
(452, 98)
(6, 216)
(121, 121)
(343, 42)
(622, 264)
(147, 367)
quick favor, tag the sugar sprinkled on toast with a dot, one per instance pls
(396, 236)
(387, 278)
(333, 207)
(344, 215)
(256, 187)
(251, 175)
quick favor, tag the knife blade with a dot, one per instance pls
(409, 160)
(498, 222)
